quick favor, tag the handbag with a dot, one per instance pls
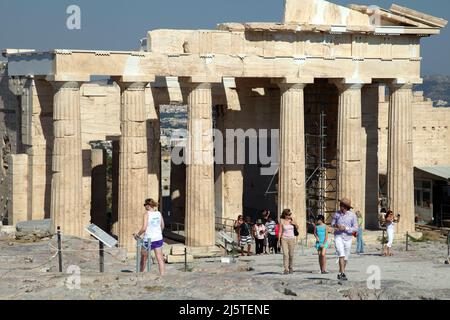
(295, 231)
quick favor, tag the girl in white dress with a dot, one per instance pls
(390, 227)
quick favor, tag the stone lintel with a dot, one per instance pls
(68, 78)
(138, 78)
(204, 79)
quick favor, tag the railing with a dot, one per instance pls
(175, 227)
(224, 224)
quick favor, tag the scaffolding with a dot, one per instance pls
(320, 180)
(320, 167)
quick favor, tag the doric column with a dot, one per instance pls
(132, 162)
(200, 224)
(66, 191)
(349, 144)
(400, 156)
(291, 177)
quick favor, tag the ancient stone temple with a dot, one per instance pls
(323, 58)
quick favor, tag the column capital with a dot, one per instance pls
(132, 86)
(196, 85)
(394, 85)
(343, 85)
(291, 86)
(293, 82)
(66, 85)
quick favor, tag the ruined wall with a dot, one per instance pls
(39, 146)
(431, 135)
(8, 139)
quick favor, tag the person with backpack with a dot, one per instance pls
(245, 236)
(271, 227)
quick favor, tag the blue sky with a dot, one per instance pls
(118, 25)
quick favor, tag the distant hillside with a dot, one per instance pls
(436, 88)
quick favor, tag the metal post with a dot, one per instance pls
(102, 256)
(448, 245)
(382, 243)
(138, 256)
(185, 259)
(226, 247)
(59, 248)
(407, 240)
(149, 254)
(306, 241)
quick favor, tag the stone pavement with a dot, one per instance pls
(25, 273)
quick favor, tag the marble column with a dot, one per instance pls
(291, 178)
(66, 189)
(400, 171)
(349, 145)
(200, 216)
(133, 173)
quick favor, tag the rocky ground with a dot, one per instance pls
(29, 271)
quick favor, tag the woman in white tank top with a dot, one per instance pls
(153, 238)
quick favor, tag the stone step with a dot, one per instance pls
(7, 232)
(34, 225)
(177, 250)
(204, 252)
(179, 259)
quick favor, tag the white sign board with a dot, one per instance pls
(101, 235)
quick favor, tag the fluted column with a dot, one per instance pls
(200, 224)
(132, 162)
(349, 144)
(400, 156)
(66, 191)
(291, 178)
